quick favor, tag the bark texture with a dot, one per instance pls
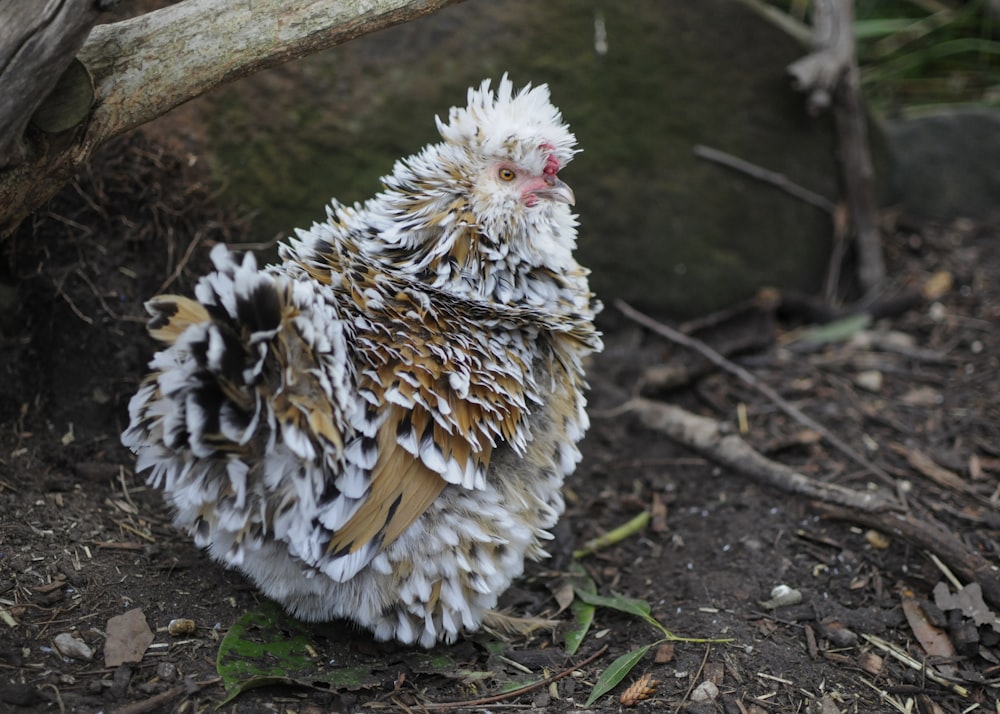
(144, 67)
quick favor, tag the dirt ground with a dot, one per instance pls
(82, 539)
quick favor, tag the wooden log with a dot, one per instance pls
(38, 41)
(144, 67)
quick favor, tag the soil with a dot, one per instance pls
(83, 540)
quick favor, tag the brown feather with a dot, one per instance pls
(179, 312)
(402, 489)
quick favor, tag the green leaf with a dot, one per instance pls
(622, 603)
(872, 29)
(838, 330)
(615, 673)
(270, 647)
(583, 612)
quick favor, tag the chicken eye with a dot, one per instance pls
(506, 174)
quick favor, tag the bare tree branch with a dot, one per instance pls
(36, 45)
(142, 68)
(830, 75)
(711, 439)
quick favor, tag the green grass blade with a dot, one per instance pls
(622, 603)
(583, 612)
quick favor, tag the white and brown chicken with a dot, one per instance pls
(378, 427)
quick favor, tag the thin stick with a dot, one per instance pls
(734, 369)
(156, 701)
(922, 667)
(926, 534)
(182, 263)
(442, 706)
(694, 679)
(767, 176)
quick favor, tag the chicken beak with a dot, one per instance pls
(556, 190)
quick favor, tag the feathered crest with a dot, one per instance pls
(503, 124)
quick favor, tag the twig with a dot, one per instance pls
(841, 234)
(922, 667)
(69, 301)
(443, 706)
(884, 696)
(782, 20)
(93, 288)
(155, 702)
(831, 72)
(694, 679)
(819, 72)
(928, 535)
(58, 696)
(709, 438)
(734, 369)
(859, 176)
(182, 263)
(112, 545)
(616, 535)
(767, 176)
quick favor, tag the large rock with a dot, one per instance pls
(947, 164)
(660, 227)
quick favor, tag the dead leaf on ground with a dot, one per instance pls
(970, 601)
(929, 468)
(934, 640)
(564, 595)
(922, 397)
(664, 653)
(658, 510)
(127, 638)
(937, 285)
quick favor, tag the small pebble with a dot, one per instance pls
(705, 692)
(782, 596)
(74, 647)
(869, 380)
(877, 539)
(167, 671)
(180, 627)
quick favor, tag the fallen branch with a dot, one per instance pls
(37, 43)
(714, 441)
(444, 706)
(144, 67)
(155, 702)
(831, 73)
(931, 536)
(751, 381)
(819, 72)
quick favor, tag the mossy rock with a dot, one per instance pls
(659, 226)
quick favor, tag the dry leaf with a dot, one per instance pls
(871, 663)
(664, 653)
(563, 594)
(659, 514)
(829, 706)
(970, 601)
(934, 640)
(922, 397)
(926, 466)
(127, 638)
(715, 672)
(937, 285)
